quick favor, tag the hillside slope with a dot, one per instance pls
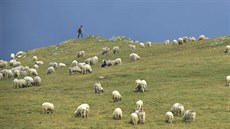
(192, 74)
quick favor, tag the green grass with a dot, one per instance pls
(192, 74)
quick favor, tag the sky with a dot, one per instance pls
(31, 24)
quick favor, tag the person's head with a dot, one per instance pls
(81, 26)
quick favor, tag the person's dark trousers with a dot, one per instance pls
(80, 35)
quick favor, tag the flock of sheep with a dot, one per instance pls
(25, 76)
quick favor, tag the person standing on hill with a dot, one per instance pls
(79, 31)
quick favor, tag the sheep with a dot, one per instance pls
(86, 69)
(12, 56)
(110, 62)
(12, 61)
(80, 54)
(227, 80)
(39, 62)
(33, 72)
(192, 39)
(50, 70)
(116, 49)
(227, 49)
(134, 57)
(142, 45)
(61, 65)
(35, 58)
(98, 88)
(141, 85)
(132, 47)
(134, 118)
(149, 44)
(20, 54)
(15, 83)
(1, 76)
(3, 64)
(180, 41)
(16, 73)
(141, 115)
(16, 64)
(139, 104)
(174, 42)
(74, 63)
(185, 39)
(105, 50)
(117, 61)
(47, 108)
(169, 117)
(94, 60)
(82, 111)
(7, 73)
(104, 63)
(117, 114)
(36, 66)
(74, 69)
(37, 81)
(29, 81)
(23, 73)
(22, 83)
(177, 109)
(189, 116)
(202, 37)
(166, 42)
(116, 96)
(53, 64)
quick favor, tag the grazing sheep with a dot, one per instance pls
(1, 76)
(132, 47)
(105, 50)
(74, 69)
(20, 54)
(50, 70)
(47, 108)
(139, 104)
(185, 39)
(116, 49)
(116, 96)
(16, 83)
(141, 116)
(16, 64)
(16, 73)
(39, 62)
(12, 56)
(82, 111)
(189, 116)
(166, 42)
(33, 72)
(80, 54)
(134, 57)
(3, 64)
(29, 81)
(12, 61)
(53, 64)
(110, 62)
(169, 117)
(149, 44)
(98, 88)
(134, 118)
(7, 73)
(192, 39)
(61, 65)
(180, 41)
(227, 49)
(104, 63)
(21, 83)
(174, 42)
(37, 81)
(36, 66)
(86, 69)
(202, 37)
(141, 85)
(117, 114)
(142, 45)
(35, 58)
(227, 80)
(117, 61)
(74, 63)
(177, 109)
(23, 73)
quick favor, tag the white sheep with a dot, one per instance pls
(47, 108)
(169, 117)
(189, 116)
(80, 54)
(180, 41)
(134, 57)
(12, 61)
(37, 81)
(202, 37)
(20, 54)
(116, 96)
(74, 63)
(105, 50)
(86, 69)
(53, 64)
(16, 73)
(29, 81)
(174, 42)
(177, 109)
(134, 118)
(98, 88)
(35, 58)
(36, 66)
(3, 64)
(141, 115)
(82, 111)
(1, 76)
(16, 64)
(185, 39)
(192, 39)
(132, 47)
(61, 65)
(12, 56)
(141, 85)
(142, 45)
(117, 114)
(139, 104)
(227, 80)
(227, 49)
(33, 72)
(116, 49)
(21, 83)
(166, 42)
(39, 62)
(50, 70)
(16, 83)
(117, 61)
(149, 44)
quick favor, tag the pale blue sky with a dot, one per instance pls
(29, 24)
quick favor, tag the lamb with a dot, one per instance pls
(80, 54)
(189, 116)
(35, 58)
(142, 45)
(116, 49)
(61, 65)
(139, 104)
(177, 109)
(227, 49)
(53, 64)
(105, 50)
(50, 70)
(166, 42)
(47, 108)
(202, 37)
(134, 118)
(74, 69)
(82, 111)
(169, 117)
(227, 80)
(180, 41)
(98, 88)
(134, 57)
(37, 81)
(149, 44)
(141, 85)
(3, 64)
(117, 114)
(116, 96)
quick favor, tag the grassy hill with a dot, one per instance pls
(192, 74)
